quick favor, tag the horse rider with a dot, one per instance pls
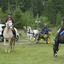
(45, 29)
(9, 18)
(61, 29)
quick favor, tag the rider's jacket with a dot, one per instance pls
(43, 29)
(63, 20)
(10, 19)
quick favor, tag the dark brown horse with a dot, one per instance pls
(56, 45)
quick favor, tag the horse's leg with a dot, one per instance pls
(29, 39)
(55, 48)
(5, 45)
(14, 45)
(9, 45)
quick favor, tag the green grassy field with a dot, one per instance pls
(32, 53)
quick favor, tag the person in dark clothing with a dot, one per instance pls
(9, 18)
(24, 28)
(45, 29)
(58, 34)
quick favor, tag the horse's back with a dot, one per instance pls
(61, 38)
(35, 31)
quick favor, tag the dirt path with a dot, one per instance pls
(2, 44)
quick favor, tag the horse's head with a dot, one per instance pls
(9, 24)
(28, 29)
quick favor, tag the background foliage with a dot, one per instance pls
(24, 12)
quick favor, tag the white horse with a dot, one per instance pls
(8, 35)
(32, 33)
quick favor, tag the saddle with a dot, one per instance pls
(13, 31)
(62, 32)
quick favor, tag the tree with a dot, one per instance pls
(18, 18)
(58, 19)
(43, 21)
(28, 18)
(4, 5)
(0, 14)
(49, 11)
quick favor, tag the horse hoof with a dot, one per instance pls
(8, 51)
(55, 55)
(5, 51)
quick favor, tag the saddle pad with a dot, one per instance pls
(62, 32)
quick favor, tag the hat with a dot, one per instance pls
(9, 13)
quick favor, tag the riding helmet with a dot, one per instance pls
(9, 13)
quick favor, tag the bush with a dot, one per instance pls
(28, 19)
(43, 21)
(18, 17)
(58, 19)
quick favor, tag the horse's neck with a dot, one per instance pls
(7, 30)
(31, 31)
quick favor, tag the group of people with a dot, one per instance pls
(9, 18)
(45, 29)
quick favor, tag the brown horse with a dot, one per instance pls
(56, 45)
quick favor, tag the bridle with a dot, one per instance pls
(9, 26)
(29, 31)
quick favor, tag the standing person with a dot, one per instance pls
(45, 29)
(24, 28)
(61, 29)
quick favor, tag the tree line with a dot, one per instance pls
(24, 12)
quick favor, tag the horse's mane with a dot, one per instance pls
(29, 27)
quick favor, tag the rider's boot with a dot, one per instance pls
(2, 31)
(14, 32)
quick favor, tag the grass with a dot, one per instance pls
(23, 35)
(32, 54)
(53, 34)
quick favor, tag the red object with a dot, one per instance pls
(9, 19)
